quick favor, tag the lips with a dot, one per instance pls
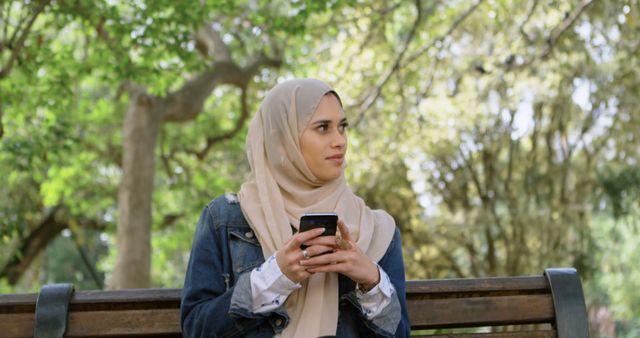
(338, 158)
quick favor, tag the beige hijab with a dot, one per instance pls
(281, 188)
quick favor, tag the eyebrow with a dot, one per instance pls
(329, 121)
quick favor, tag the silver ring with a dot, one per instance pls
(305, 254)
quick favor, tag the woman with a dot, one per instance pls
(351, 285)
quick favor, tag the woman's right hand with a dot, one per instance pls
(289, 255)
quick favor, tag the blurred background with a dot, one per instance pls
(502, 135)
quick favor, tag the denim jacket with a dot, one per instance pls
(216, 298)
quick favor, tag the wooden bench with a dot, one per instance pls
(553, 302)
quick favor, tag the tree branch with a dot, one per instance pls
(369, 99)
(371, 32)
(1, 125)
(530, 186)
(261, 60)
(193, 102)
(563, 27)
(209, 43)
(488, 203)
(244, 114)
(556, 34)
(353, 19)
(508, 180)
(532, 9)
(87, 263)
(440, 38)
(427, 88)
(23, 17)
(169, 220)
(403, 107)
(187, 102)
(4, 15)
(45, 232)
(164, 158)
(19, 44)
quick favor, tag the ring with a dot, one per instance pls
(342, 244)
(305, 254)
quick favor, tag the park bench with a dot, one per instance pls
(553, 303)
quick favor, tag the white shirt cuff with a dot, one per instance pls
(378, 297)
(269, 286)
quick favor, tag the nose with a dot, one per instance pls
(339, 140)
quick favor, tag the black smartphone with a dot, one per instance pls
(313, 220)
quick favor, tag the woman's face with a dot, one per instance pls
(324, 141)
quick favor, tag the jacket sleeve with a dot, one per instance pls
(393, 320)
(393, 264)
(206, 309)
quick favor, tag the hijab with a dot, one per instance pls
(281, 188)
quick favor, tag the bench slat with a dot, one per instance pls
(17, 325)
(528, 284)
(128, 296)
(480, 311)
(522, 334)
(163, 322)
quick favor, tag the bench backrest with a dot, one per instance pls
(432, 304)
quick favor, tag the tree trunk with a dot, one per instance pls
(140, 130)
(144, 116)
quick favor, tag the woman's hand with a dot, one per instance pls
(351, 262)
(290, 255)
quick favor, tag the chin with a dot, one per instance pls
(332, 176)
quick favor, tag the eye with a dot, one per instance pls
(343, 127)
(323, 127)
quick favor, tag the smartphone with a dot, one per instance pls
(313, 220)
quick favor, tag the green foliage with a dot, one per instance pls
(62, 133)
(622, 187)
(614, 287)
(72, 258)
(502, 136)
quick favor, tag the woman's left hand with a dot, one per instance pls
(351, 262)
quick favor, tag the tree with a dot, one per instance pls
(12, 42)
(522, 175)
(495, 132)
(503, 115)
(157, 44)
(144, 116)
